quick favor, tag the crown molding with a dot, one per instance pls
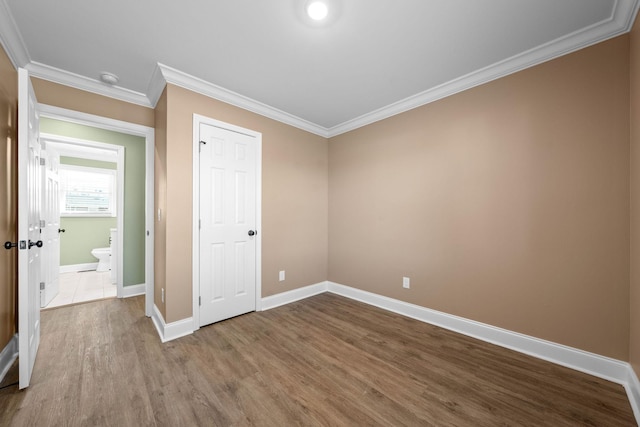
(77, 81)
(195, 84)
(620, 22)
(157, 84)
(11, 39)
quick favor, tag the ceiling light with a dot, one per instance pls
(109, 78)
(317, 10)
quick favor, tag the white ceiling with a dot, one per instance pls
(374, 58)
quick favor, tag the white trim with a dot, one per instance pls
(74, 268)
(620, 22)
(149, 214)
(633, 391)
(87, 119)
(148, 134)
(195, 224)
(173, 330)
(195, 265)
(293, 295)
(258, 221)
(120, 186)
(157, 84)
(195, 84)
(11, 38)
(77, 81)
(8, 355)
(133, 290)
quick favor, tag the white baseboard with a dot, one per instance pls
(294, 295)
(173, 330)
(8, 355)
(72, 268)
(633, 391)
(133, 290)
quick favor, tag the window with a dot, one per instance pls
(87, 191)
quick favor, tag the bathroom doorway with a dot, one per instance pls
(83, 261)
(134, 228)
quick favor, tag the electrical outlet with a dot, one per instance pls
(281, 276)
(406, 282)
(162, 295)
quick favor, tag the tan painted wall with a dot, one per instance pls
(507, 204)
(294, 199)
(160, 198)
(634, 296)
(78, 100)
(8, 197)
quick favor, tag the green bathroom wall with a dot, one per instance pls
(82, 234)
(134, 192)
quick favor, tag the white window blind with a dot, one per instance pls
(87, 191)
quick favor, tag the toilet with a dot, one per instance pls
(104, 258)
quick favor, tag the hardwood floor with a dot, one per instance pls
(325, 360)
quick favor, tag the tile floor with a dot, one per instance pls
(83, 286)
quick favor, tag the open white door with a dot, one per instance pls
(51, 226)
(29, 243)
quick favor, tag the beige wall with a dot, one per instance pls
(634, 340)
(8, 197)
(160, 200)
(294, 199)
(78, 100)
(507, 204)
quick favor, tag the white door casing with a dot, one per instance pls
(227, 208)
(51, 231)
(29, 199)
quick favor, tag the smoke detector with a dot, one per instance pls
(109, 78)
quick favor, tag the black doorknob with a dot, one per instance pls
(9, 245)
(38, 244)
(252, 233)
(61, 230)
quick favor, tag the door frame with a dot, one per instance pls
(197, 120)
(120, 153)
(148, 133)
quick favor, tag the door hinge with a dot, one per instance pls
(200, 224)
(42, 286)
(199, 300)
(43, 161)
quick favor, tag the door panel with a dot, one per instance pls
(29, 201)
(50, 233)
(227, 214)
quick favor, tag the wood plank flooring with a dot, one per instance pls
(323, 361)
